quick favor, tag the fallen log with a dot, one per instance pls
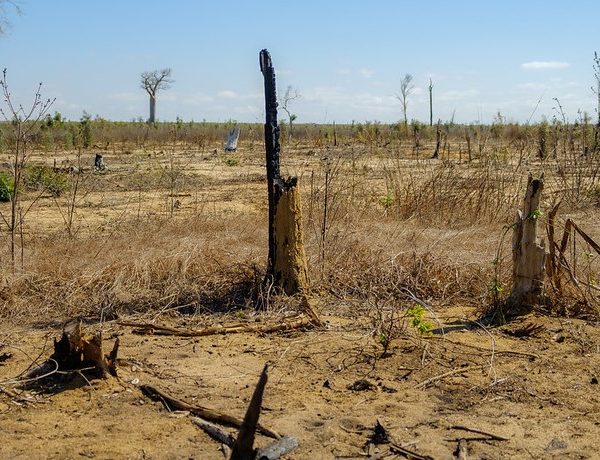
(294, 323)
(210, 415)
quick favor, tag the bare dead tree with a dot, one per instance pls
(406, 87)
(152, 82)
(291, 94)
(430, 102)
(596, 91)
(23, 123)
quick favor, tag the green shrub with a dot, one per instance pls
(231, 161)
(39, 177)
(7, 187)
(417, 315)
(387, 201)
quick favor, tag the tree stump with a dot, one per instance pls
(290, 270)
(76, 351)
(529, 254)
(232, 140)
(286, 262)
(99, 163)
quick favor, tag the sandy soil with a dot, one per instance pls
(539, 391)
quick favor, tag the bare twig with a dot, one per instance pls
(497, 437)
(460, 370)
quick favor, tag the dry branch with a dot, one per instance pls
(214, 431)
(277, 448)
(460, 370)
(203, 412)
(497, 437)
(408, 453)
(462, 452)
(293, 323)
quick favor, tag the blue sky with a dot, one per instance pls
(346, 58)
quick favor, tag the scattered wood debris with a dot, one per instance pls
(242, 447)
(361, 385)
(210, 415)
(289, 324)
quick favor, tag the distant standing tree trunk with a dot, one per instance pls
(430, 102)
(438, 141)
(152, 117)
(152, 82)
(406, 87)
(596, 90)
(291, 95)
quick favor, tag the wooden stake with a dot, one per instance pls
(529, 254)
(243, 448)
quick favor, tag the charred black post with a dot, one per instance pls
(286, 264)
(271, 146)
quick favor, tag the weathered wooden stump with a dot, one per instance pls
(529, 254)
(289, 270)
(232, 140)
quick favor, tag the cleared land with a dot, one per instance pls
(177, 236)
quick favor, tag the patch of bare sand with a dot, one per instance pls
(538, 391)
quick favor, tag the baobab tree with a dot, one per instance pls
(290, 95)
(152, 82)
(406, 87)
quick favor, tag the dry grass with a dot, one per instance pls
(436, 237)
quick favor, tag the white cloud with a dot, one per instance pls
(543, 65)
(458, 95)
(127, 97)
(366, 73)
(227, 94)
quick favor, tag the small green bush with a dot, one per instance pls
(417, 315)
(39, 177)
(7, 187)
(387, 201)
(231, 161)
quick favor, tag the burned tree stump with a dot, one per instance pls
(529, 254)
(99, 164)
(286, 262)
(290, 271)
(76, 351)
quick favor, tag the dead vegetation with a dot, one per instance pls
(405, 256)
